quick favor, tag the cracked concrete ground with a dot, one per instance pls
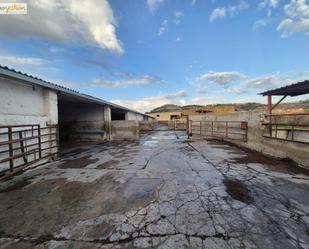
(163, 191)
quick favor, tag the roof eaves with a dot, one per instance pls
(38, 81)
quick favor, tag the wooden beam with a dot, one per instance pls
(269, 105)
(274, 106)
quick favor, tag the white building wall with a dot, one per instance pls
(134, 116)
(24, 104)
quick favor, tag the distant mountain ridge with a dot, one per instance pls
(304, 104)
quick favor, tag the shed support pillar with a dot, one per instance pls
(107, 121)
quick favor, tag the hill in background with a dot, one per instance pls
(304, 104)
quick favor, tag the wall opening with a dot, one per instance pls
(118, 114)
(79, 120)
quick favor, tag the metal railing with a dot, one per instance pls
(288, 127)
(236, 130)
(181, 124)
(21, 145)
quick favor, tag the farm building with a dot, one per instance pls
(39, 117)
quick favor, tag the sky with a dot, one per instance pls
(145, 53)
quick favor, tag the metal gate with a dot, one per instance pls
(22, 145)
(236, 130)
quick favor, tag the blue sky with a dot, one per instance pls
(145, 53)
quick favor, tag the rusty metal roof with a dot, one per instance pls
(30, 79)
(296, 89)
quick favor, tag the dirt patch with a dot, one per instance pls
(78, 162)
(108, 164)
(285, 165)
(238, 191)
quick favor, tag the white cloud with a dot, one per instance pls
(55, 50)
(153, 5)
(177, 39)
(12, 61)
(221, 78)
(177, 16)
(90, 22)
(269, 5)
(30, 65)
(148, 103)
(217, 14)
(122, 83)
(297, 9)
(259, 23)
(176, 98)
(297, 12)
(289, 26)
(236, 90)
(193, 2)
(267, 82)
(231, 10)
(234, 9)
(163, 28)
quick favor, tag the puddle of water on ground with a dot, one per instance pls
(150, 143)
(73, 152)
(78, 162)
(108, 164)
(238, 191)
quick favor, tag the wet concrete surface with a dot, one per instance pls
(163, 191)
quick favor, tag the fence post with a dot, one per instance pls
(57, 140)
(22, 148)
(39, 141)
(226, 128)
(10, 137)
(200, 127)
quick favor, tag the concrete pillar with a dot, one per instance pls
(127, 116)
(51, 106)
(107, 115)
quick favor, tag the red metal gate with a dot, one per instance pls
(236, 130)
(21, 145)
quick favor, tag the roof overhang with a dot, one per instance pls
(293, 90)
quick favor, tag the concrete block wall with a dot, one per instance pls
(125, 130)
(273, 147)
(146, 125)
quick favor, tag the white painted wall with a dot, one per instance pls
(134, 116)
(23, 104)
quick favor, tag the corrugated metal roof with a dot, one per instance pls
(30, 79)
(296, 89)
